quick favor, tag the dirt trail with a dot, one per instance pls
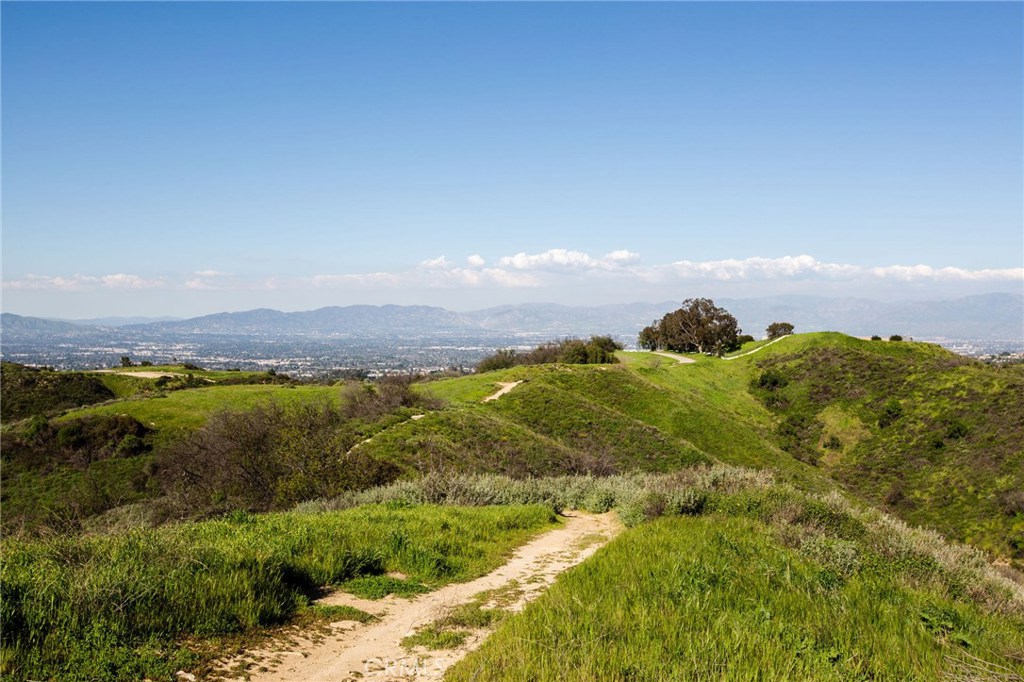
(415, 417)
(749, 352)
(506, 386)
(680, 360)
(142, 375)
(373, 651)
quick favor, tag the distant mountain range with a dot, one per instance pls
(990, 316)
(118, 321)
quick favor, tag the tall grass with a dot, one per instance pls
(821, 522)
(116, 607)
(720, 597)
(636, 496)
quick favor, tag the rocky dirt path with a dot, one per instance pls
(353, 651)
(505, 387)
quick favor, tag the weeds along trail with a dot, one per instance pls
(375, 650)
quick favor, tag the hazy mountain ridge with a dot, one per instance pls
(990, 316)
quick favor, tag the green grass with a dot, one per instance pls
(339, 612)
(26, 391)
(949, 456)
(748, 347)
(729, 598)
(119, 607)
(57, 497)
(474, 388)
(176, 412)
(212, 374)
(125, 386)
(380, 586)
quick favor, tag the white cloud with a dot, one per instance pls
(623, 256)
(555, 268)
(439, 263)
(83, 282)
(788, 267)
(432, 274)
(563, 259)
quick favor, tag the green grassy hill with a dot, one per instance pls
(725, 572)
(25, 391)
(63, 462)
(931, 436)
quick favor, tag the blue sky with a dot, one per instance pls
(185, 158)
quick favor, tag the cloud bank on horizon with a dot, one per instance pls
(553, 275)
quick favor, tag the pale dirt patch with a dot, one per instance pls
(680, 359)
(373, 651)
(144, 375)
(505, 387)
(751, 352)
(415, 417)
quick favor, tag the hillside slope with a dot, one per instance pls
(933, 437)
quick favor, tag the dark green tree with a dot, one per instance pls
(699, 326)
(650, 338)
(776, 330)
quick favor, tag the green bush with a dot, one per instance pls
(598, 350)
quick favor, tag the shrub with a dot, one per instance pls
(776, 330)
(276, 455)
(771, 380)
(892, 411)
(598, 350)
(27, 391)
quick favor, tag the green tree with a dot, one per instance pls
(776, 330)
(649, 338)
(698, 326)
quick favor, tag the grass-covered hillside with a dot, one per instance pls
(743, 558)
(63, 462)
(145, 604)
(25, 391)
(929, 435)
(728, 577)
(936, 438)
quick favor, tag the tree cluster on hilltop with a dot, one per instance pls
(699, 326)
(597, 351)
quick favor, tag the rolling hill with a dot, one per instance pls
(751, 486)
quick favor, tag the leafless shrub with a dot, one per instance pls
(269, 457)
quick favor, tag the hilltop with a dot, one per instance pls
(768, 468)
(926, 434)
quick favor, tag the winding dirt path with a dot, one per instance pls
(750, 352)
(506, 386)
(680, 359)
(353, 651)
